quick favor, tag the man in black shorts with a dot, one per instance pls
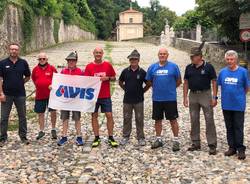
(165, 77)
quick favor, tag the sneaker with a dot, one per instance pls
(176, 146)
(230, 152)
(124, 141)
(25, 140)
(194, 148)
(113, 143)
(2, 143)
(62, 141)
(141, 142)
(40, 135)
(242, 155)
(79, 141)
(96, 142)
(53, 134)
(212, 150)
(158, 143)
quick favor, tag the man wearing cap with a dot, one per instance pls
(42, 77)
(106, 72)
(197, 79)
(165, 77)
(14, 73)
(71, 69)
(131, 81)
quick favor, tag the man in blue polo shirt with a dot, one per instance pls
(234, 83)
(164, 77)
(14, 73)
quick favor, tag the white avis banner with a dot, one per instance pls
(74, 92)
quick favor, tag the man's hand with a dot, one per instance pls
(185, 102)
(213, 102)
(2, 97)
(105, 78)
(50, 87)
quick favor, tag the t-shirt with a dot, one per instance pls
(233, 85)
(133, 83)
(200, 78)
(13, 76)
(164, 80)
(75, 71)
(103, 69)
(42, 78)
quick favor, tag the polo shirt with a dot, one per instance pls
(13, 76)
(133, 83)
(104, 69)
(200, 78)
(42, 78)
(163, 80)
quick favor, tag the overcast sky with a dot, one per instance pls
(179, 6)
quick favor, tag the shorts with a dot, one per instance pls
(41, 106)
(105, 104)
(76, 115)
(169, 108)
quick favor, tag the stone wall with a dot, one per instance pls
(147, 39)
(42, 35)
(211, 52)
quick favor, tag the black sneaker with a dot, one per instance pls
(194, 148)
(158, 143)
(40, 135)
(230, 152)
(241, 155)
(25, 140)
(53, 134)
(212, 150)
(176, 146)
(2, 143)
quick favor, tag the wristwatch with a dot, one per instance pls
(215, 97)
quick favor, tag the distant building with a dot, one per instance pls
(130, 25)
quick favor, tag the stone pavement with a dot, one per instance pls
(44, 162)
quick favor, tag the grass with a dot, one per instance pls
(108, 49)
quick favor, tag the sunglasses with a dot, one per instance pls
(40, 59)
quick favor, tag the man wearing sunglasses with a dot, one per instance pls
(14, 73)
(42, 77)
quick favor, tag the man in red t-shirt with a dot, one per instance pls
(42, 77)
(106, 72)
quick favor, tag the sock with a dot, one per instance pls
(97, 137)
(158, 138)
(53, 129)
(111, 137)
(176, 139)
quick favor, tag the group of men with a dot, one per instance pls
(199, 91)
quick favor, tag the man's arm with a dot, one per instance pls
(178, 82)
(26, 79)
(121, 84)
(147, 86)
(2, 96)
(185, 93)
(214, 91)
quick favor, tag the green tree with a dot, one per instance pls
(225, 14)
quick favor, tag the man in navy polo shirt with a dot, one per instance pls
(14, 73)
(199, 78)
(131, 81)
(234, 83)
(164, 77)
